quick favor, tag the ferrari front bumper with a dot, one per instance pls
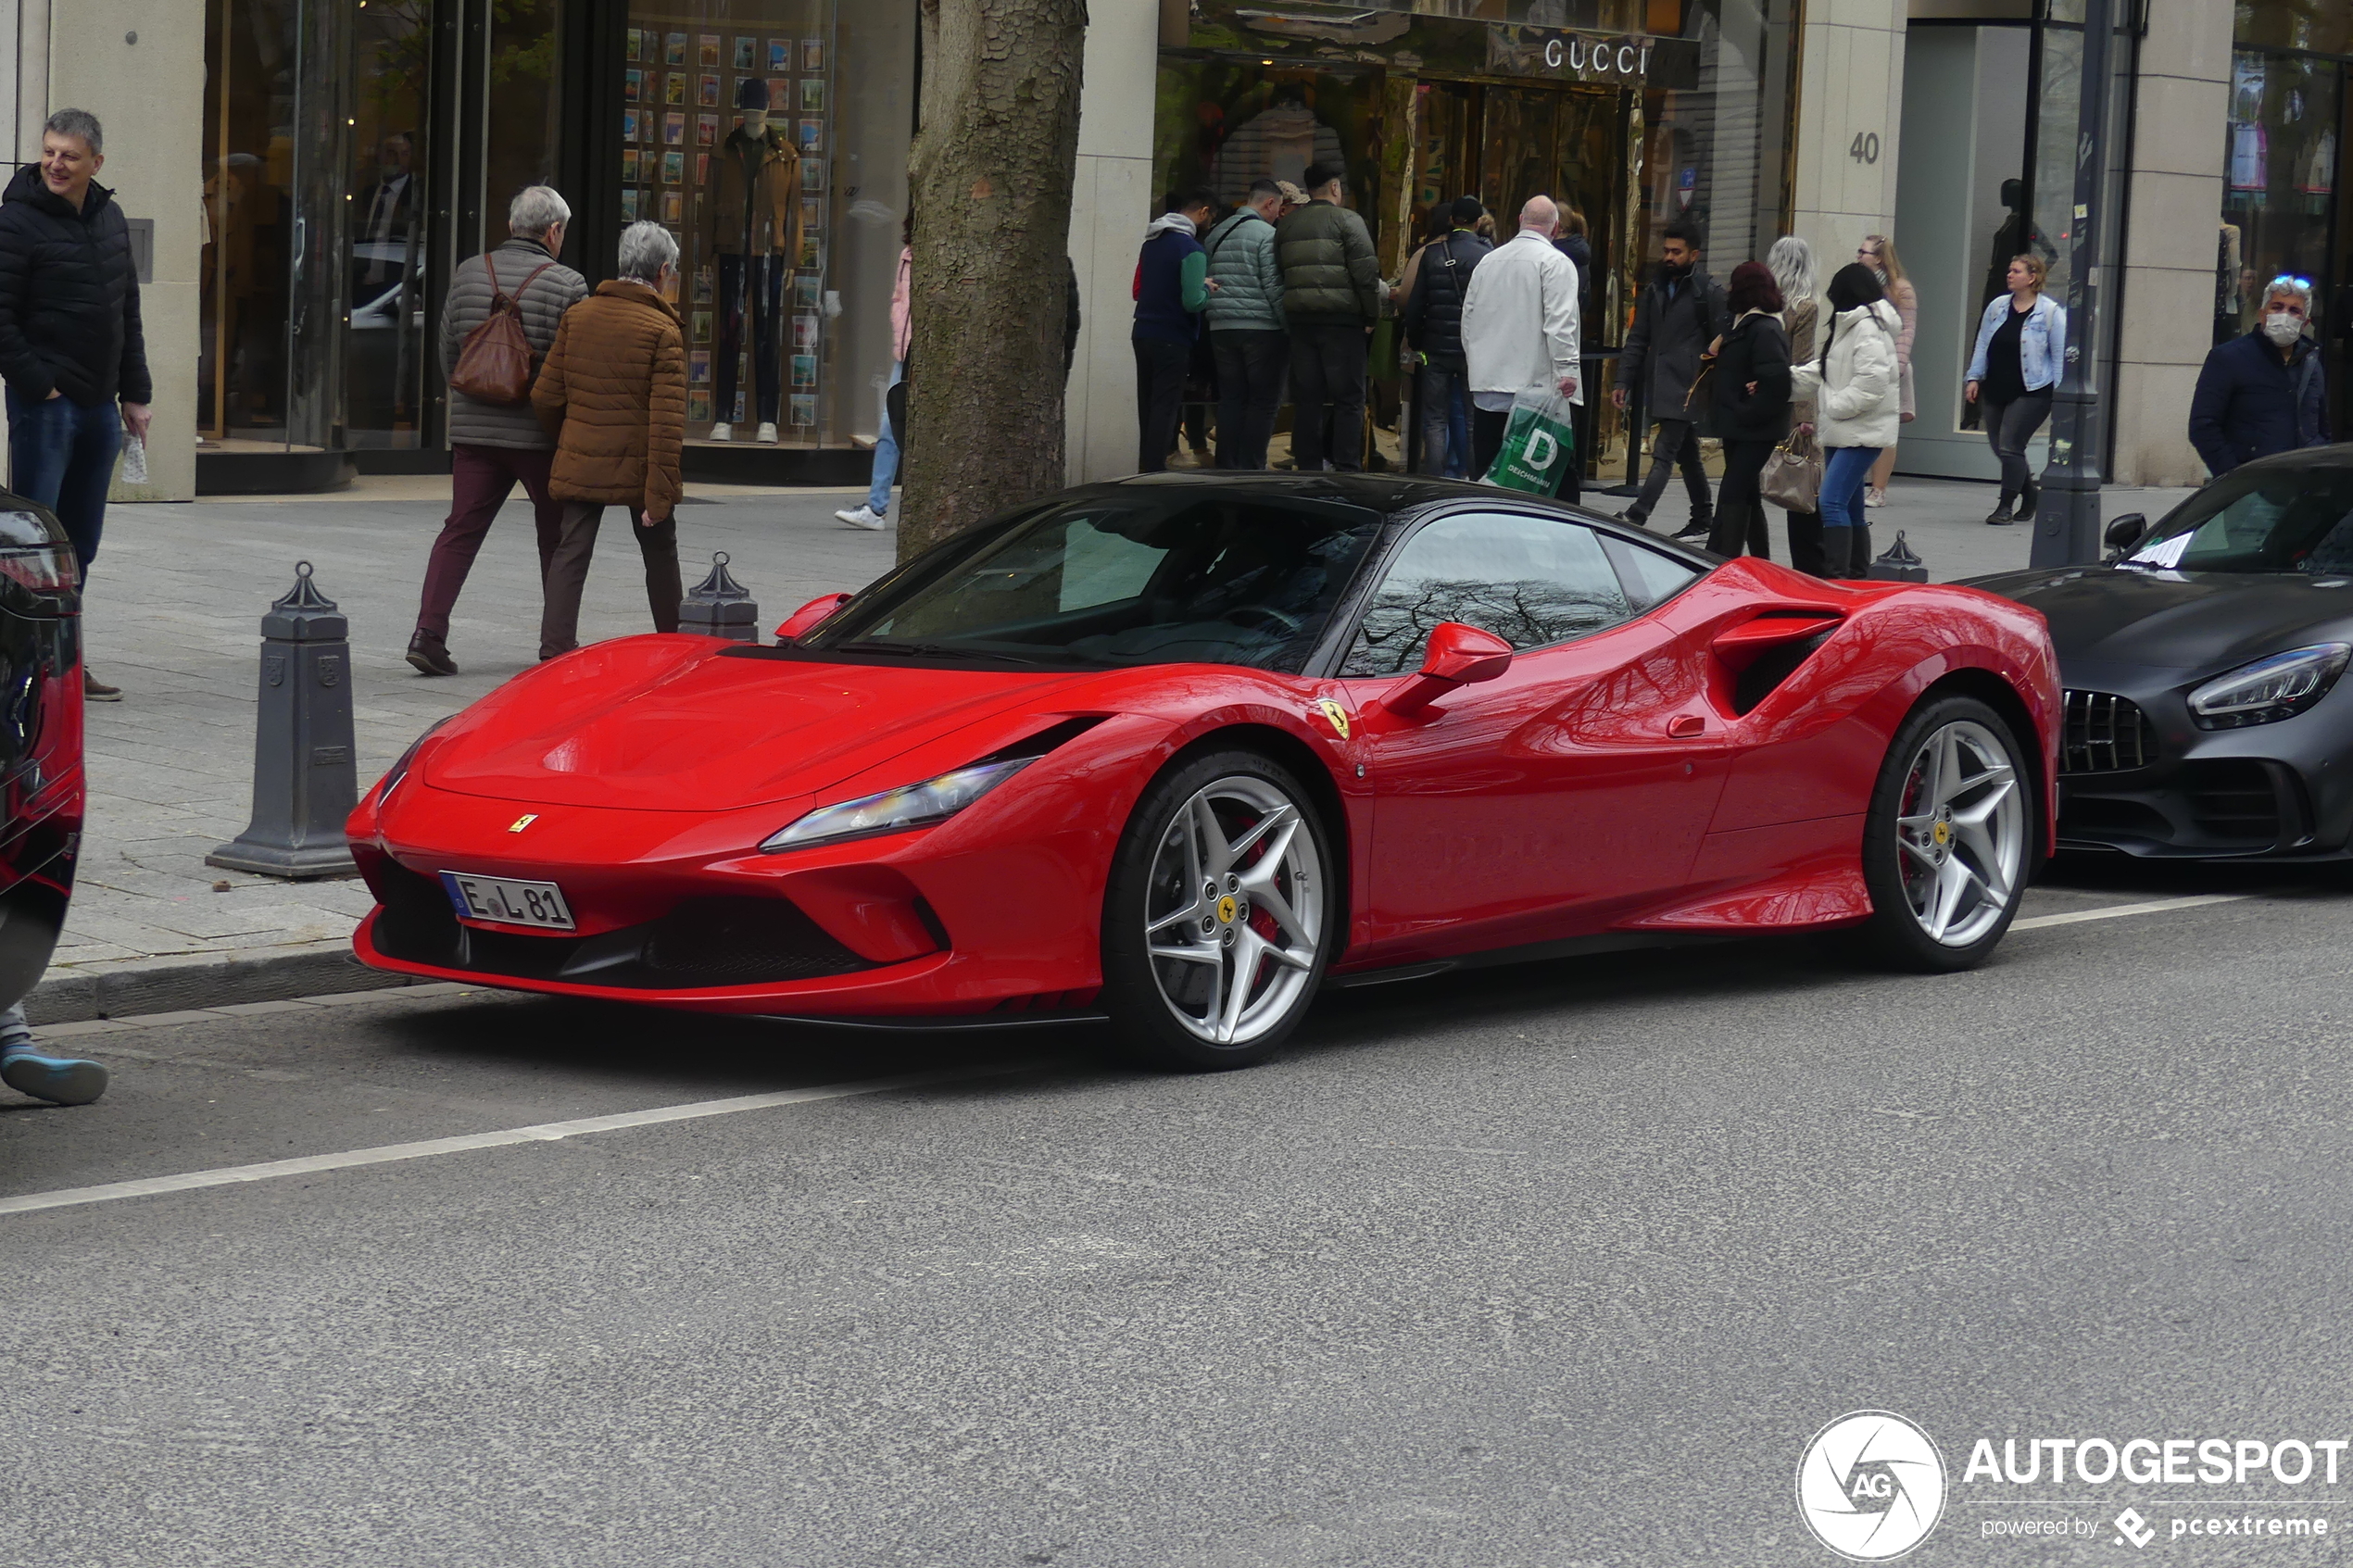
(670, 911)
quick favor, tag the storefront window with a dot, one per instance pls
(734, 137)
(2279, 181)
(312, 317)
(388, 129)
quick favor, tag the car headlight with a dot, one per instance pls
(2280, 686)
(893, 810)
(399, 769)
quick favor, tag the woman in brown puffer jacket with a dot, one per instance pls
(613, 395)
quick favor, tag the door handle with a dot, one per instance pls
(1684, 725)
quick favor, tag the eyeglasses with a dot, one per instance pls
(2290, 278)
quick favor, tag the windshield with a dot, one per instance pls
(2277, 520)
(1143, 577)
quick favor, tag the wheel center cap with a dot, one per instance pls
(1942, 832)
(1225, 909)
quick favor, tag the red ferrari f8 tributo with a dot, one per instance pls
(1185, 749)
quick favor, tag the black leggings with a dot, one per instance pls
(1740, 505)
(2009, 426)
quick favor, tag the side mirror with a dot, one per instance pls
(2126, 531)
(1458, 656)
(807, 615)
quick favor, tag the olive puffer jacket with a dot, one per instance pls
(543, 305)
(68, 296)
(613, 395)
(1331, 275)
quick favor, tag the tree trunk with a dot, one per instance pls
(990, 175)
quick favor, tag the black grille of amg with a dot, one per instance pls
(2105, 734)
(701, 942)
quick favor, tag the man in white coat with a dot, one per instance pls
(1519, 333)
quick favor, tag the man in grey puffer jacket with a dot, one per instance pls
(492, 444)
(1246, 328)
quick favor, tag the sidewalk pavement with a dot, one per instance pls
(173, 618)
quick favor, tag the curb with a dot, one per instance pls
(206, 982)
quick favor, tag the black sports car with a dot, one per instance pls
(2201, 664)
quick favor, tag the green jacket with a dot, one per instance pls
(1330, 276)
(1250, 286)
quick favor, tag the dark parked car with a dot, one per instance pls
(41, 779)
(2202, 663)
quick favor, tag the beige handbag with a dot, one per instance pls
(1792, 476)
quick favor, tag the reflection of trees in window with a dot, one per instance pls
(1527, 613)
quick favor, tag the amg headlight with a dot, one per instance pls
(2278, 687)
(893, 810)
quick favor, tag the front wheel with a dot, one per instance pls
(1947, 841)
(1219, 915)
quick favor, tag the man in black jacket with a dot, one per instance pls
(1433, 321)
(70, 346)
(1677, 316)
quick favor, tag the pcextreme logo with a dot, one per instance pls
(1870, 1486)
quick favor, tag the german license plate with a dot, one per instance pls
(539, 904)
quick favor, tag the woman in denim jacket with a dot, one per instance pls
(2021, 343)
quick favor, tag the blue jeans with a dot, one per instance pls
(61, 455)
(1444, 396)
(885, 450)
(1844, 472)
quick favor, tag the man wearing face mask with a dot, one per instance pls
(2264, 392)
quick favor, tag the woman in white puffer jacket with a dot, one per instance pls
(1857, 388)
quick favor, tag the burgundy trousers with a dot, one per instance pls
(481, 480)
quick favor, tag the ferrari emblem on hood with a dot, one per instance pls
(523, 822)
(1337, 714)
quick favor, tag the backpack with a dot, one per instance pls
(495, 363)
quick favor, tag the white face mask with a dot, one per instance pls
(2282, 328)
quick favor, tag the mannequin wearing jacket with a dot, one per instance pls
(752, 222)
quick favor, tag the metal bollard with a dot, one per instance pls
(719, 606)
(304, 778)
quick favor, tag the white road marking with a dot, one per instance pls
(545, 1132)
(552, 1131)
(2119, 911)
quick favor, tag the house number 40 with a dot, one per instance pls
(1865, 147)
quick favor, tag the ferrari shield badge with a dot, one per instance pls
(523, 822)
(1337, 714)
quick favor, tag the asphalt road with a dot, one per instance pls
(1536, 1267)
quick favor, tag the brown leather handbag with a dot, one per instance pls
(495, 363)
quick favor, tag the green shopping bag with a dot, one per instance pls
(1538, 445)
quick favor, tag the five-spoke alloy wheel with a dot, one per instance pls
(1219, 917)
(1949, 842)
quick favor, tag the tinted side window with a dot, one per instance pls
(1531, 580)
(1652, 576)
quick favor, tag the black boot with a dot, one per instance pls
(2000, 516)
(2030, 500)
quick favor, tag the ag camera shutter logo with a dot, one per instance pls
(1871, 1486)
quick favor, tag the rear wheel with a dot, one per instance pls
(1218, 917)
(1948, 840)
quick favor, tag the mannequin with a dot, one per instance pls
(751, 222)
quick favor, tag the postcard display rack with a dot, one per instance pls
(682, 71)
